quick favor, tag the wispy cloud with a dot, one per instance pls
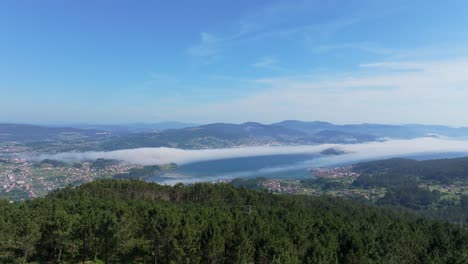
(266, 62)
(399, 65)
(312, 34)
(367, 47)
(272, 22)
(365, 95)
(209, 46)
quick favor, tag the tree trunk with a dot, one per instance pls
(25, 260)
(59, 255)
(84, 249)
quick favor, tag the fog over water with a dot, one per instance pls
(216, 164)
(149, 156)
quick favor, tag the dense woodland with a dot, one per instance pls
(145, 172)
(403, 178)
(120, 221)
(446, 171)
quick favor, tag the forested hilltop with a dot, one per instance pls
(120, 221)
(433, 188)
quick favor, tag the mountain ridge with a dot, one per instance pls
(226, 135)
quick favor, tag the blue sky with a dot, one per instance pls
(234, 61)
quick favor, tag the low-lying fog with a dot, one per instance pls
(352, 153)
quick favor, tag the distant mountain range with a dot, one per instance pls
(25, 132)
(377, 130)
(290, 132)
(134, 127)
(218, 135)
(223, 135)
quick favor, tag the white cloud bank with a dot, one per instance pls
(149, 156)
(355, 152)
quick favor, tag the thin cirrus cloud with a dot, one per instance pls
(266, 62)
(280, 21)
(209, 46)
(399, 92)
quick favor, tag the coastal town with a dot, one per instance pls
(334, 173)
(338, 182)
(297, 187)
(23, 179)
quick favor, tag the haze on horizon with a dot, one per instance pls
(209, 61)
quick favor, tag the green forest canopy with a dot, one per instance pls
(137, 222)
(440, 170)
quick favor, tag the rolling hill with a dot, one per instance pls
(289, 132)
(134, 127)
(220, 135)
(439, 170)
(377, 130)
